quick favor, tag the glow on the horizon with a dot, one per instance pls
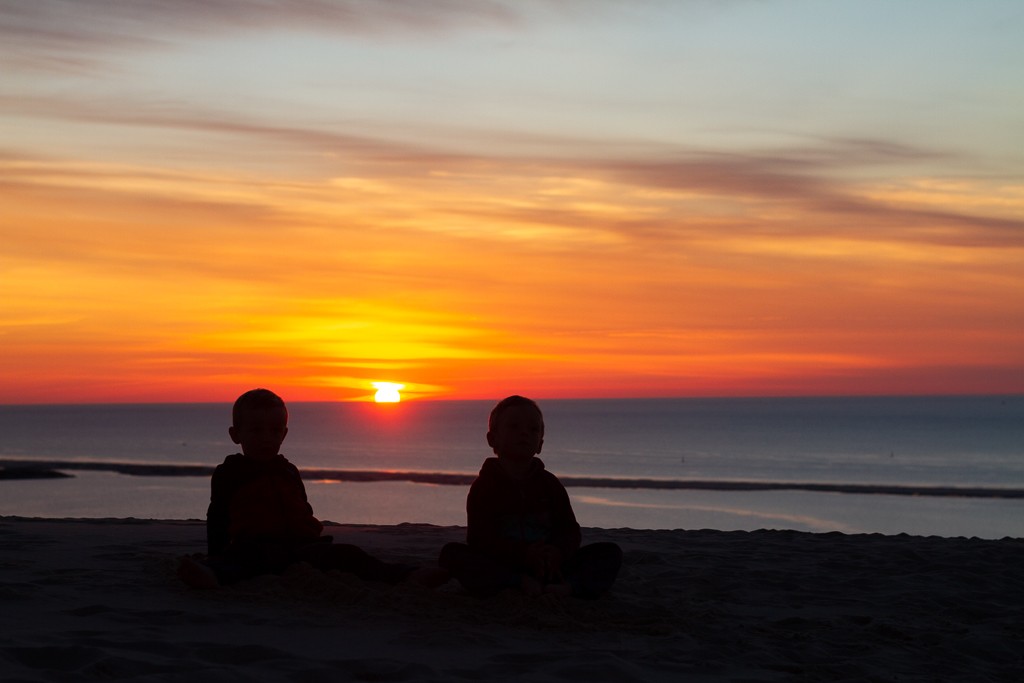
(387, 392)
(506, 199)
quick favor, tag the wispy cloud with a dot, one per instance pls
(64, 35)
(824, 186)
(80, 23)
(78, 36)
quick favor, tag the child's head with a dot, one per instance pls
(259, 423)
(515, 428)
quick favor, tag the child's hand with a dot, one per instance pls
(544, 561)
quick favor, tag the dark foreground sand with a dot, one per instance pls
(99, 600)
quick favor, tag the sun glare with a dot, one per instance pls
(387, 392)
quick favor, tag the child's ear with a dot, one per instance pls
(539, 446)
(233, 433)
(490, 439)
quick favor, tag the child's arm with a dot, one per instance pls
(217, 516)
(301, 522)
(565, 530)
(545, 559)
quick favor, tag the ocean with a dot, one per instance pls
(946, 466)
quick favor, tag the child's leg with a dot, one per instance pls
(247, 560)
(212, 572)
(478, 574)
(354, 560)
(592, 569)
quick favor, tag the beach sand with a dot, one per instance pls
(99, 599)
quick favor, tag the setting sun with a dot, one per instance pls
(387, 392)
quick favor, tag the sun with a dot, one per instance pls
(387, 392)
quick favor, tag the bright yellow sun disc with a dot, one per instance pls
(387, 392)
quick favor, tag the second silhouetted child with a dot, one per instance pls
(521, 529)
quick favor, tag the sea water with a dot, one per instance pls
(905, 446)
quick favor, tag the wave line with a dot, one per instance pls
(24, 469)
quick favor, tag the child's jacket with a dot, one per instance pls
(506, 515)
(261, 501)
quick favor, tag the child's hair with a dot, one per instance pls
(257, 399)
(509, 402)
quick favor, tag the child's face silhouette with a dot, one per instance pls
(518, 433)
(260, 432)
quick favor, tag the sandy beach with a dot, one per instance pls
(99, 599)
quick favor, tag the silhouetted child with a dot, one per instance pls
(259, 520)
(522, 532)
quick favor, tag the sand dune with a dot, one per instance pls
(99, 599)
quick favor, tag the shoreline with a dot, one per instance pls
(98, 597)
(13, 468)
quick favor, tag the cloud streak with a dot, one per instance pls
(813, 180)
(53, 31)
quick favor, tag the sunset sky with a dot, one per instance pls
(473, 198)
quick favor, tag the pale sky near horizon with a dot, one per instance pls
(475, 198)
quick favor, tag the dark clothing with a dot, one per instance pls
(262, 501)
(260, 522)
(506, 516)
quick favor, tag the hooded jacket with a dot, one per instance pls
(255, 500)
(507, 514)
